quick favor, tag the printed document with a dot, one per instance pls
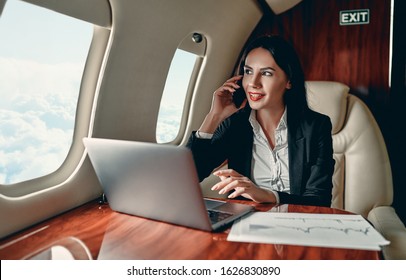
(323, 230)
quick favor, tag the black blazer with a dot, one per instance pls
(311, 163)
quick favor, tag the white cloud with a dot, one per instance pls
(168, 123)
(29, 79)
(28, 148)
(37, 112)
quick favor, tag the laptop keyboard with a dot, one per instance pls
(217, 216)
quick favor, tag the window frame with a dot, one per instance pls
(188, 44)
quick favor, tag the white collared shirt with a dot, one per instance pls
(270, 167)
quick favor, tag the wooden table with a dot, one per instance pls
(94, 231)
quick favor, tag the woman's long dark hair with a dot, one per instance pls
(287, 59)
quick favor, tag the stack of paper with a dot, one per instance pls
(324, 230)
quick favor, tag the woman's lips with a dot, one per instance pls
(256, 96)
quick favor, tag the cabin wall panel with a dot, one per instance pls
(145, 36)
(357, 55)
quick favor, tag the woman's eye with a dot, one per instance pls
(247, 71)
(267, 73)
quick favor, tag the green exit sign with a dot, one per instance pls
(353, 17)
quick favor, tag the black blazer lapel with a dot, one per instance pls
(240, 159)
(296, 142)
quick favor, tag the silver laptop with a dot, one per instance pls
(159, 182)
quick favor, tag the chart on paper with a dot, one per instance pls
(326, 230)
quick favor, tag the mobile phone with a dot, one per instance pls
(239, 95)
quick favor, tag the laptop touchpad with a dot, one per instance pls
(211, 204)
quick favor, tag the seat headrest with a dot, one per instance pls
(329, 98)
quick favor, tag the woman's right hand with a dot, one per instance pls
(222, 105)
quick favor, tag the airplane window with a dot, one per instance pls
(42, 58)
(173, 98)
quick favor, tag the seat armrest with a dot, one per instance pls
(386, 221)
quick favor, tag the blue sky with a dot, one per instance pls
(24, 29)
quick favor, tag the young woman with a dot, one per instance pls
(277, 149)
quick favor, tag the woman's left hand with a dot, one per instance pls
(232, 180)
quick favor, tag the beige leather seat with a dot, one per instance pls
(362, 181)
